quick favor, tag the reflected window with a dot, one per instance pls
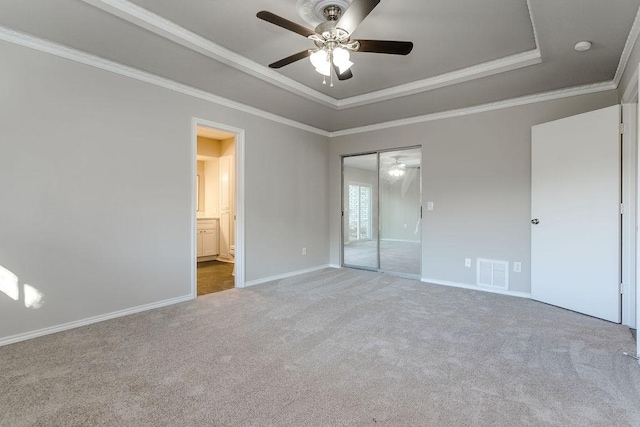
(359, 212)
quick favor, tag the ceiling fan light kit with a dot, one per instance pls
(320, 60)
(332, 36)
(341, 59)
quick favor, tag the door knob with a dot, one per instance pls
(535, 221)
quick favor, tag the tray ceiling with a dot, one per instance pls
(466, 53)
(446, 37)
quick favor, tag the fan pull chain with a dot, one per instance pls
(331, 85)
(324, 80)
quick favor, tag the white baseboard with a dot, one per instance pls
(477, 288)
(76, 324)
(285, 275)
(334, 266)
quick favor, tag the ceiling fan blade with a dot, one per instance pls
(344, 76)
(385, 46)
(290, 59)
(284, 23)
(355, 14)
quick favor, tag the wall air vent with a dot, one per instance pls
(493, 273)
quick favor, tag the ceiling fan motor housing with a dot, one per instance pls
(313, 11)
(332, 12)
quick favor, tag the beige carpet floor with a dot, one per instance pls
(335, 347)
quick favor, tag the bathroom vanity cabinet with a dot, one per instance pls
(207, 238)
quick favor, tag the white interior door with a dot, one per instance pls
(575, 198)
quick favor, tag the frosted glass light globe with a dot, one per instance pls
(319, 58)
(324, 69)
(341, 59)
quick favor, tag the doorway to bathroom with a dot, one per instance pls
(382, 211)
(215, 197)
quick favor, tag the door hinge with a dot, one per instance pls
(622, 128)
(621, 288)
(621, 208)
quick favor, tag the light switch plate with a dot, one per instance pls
(517, 267)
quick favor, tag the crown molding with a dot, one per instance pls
(46, 46)
(533, 25)
(514, 102)
(485, 69)
(61, 51)
(502, 65)
(150, 21)
(628, 49)
(630, 95)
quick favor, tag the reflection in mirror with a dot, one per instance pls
(400, 201)
(360, 228)
(382, 211)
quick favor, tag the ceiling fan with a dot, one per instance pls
(332, 39)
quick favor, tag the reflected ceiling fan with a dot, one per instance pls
(332, 39)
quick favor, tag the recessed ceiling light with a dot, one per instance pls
(582, 46)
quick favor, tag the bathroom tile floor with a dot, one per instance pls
(214, 276)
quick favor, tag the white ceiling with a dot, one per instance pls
(466, 53)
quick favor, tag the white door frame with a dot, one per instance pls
(631, 119)
(629, 216)
(631, 159)
(239, 199)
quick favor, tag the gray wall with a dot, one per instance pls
(95, 182)
(477, 171)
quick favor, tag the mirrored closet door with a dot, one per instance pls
(382, 211)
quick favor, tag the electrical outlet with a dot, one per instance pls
(429, 206)
(467, 262)
(517, 267)
(304, 251)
